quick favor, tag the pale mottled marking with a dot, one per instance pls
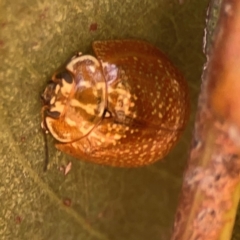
(101, 86)
(128, 112)
(58, 107)
(84, 127)
(123, 71)
(70, 122)
(153, 148)
(57, 89)
(118, 128)
(135, 97)
(108, 134)
(89, 108)
(120, 91)
(53, 99)
(125, 100)
(75, 145)
(85, 84)
(66, 135)
(92, 69)
(132, 104)
(70, 66)
(117, 136)
(107, 114)
(66, 88)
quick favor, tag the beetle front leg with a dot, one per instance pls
(43, 114)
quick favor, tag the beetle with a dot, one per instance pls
(126, 107)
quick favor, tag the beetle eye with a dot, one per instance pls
(65, 75)
(54, 114)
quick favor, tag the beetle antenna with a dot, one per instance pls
(45, 131)
(46, 152)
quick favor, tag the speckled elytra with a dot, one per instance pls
(125, 107)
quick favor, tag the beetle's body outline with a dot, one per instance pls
(127, 107)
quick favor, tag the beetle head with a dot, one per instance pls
(57, 92)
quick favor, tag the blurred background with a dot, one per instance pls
(91, 201)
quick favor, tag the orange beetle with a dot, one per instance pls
(127, 107)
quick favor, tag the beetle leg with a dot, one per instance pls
(43, 114)
(54, 114)
(46, 113)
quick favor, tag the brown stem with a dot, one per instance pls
(211, 186)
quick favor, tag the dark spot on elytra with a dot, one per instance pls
(217, 177)
(212, 213)
(235, 156)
